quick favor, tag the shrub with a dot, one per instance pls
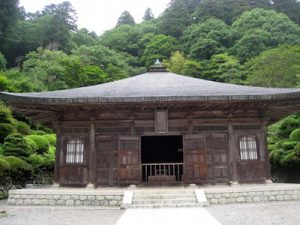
(15, 145)
(41, 142)
(5, 114)
(22, 127)
(289, 145)
(32, 145)
(295, 135)
(37, 161)
(5, 130)
(20, 171)
(4, 175)
(51, 138)
(287, 126)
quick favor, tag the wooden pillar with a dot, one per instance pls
(58, 155)
(232, 154)
(266, 152)
(92, 156)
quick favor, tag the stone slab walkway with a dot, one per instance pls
(168, 216)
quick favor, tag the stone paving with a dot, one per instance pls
(275, 213)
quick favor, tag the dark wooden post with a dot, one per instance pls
(92, 155)
(59, 149)
(232, 154)
(266, 153)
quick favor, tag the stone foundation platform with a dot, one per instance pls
(113, 197)
(66, 197)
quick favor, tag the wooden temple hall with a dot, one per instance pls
(159, 128)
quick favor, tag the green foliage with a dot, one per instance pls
(5, 130)
(51, 138)
(22, 127)
(2, 62)
(177, 17)
(159, 47)
(83, 37)
(125, 18)
(203, 40)
(41, 142)
(20, 171)
(287, 125)
(226, 10)
(223, 68)
(295, 135)
(278, 67)
(5, 179)
(148, 15)
(16, 145)
(36, 161)
(263, 29)
(5, 114)
(289, 145)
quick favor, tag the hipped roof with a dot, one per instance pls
(154, 87)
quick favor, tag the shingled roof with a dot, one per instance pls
(153, 87)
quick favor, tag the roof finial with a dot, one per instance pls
(157, 67)
(157, 62)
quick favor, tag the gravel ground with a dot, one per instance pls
(287, 213)
(282, 213)
(25, 215)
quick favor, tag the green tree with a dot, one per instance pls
(8, 16)
(160, 47)
(123, 38)
(289, 7)
(227, 10)
(177, 17)
(263, 29)
(176, 62)
(104, 58)
(223, 68)
(83, 37)
(2, 62)
(279, 67)
(202, 40)
(125, 18)
(148, 15)
(16, 145)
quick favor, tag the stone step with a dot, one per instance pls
(165, 201)
(166, 196)
(181, 205)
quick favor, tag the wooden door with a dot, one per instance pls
(217, 145)
(107, 160)
(129, 160)
(195, 164)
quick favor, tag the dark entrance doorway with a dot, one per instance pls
(162, 159)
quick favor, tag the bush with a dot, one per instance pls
(16, 145)
(32, 145)
(287, 126)
(295, 135)
(41, 142)
(4, 175)
(20, 171)
(5, 114)
(51, 138)
(5, 130)
(289, 145)
(37, 161)
(22, 127)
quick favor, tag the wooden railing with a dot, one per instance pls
(151, 170)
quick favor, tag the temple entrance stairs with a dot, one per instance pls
(165, 199)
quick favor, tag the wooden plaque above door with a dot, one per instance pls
(161, 121)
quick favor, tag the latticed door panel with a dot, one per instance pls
(106, 162)
(195, 163)
(217, 144)
(129, 160)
